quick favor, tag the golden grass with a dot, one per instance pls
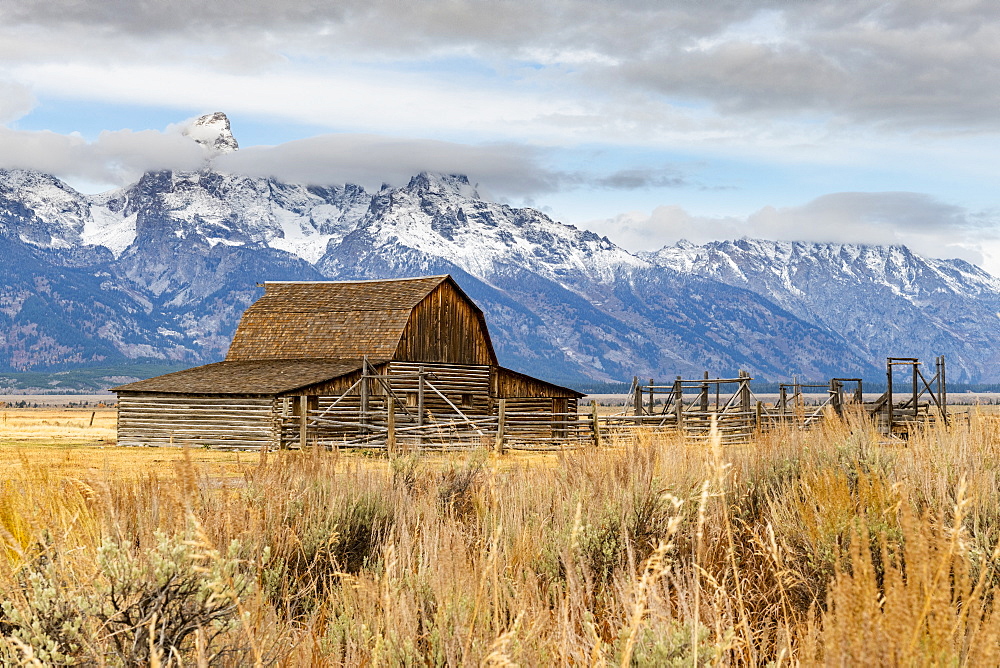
(825, 547)
(57, 426)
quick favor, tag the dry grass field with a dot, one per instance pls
(66, 442)
(823, 547)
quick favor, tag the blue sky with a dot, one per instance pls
(845, 121)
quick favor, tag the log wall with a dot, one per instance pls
(195, 420)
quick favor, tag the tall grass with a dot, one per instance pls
(821, 547)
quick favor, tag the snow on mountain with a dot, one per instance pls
(243, 211)
(884, 300)
(443, 216)
(164, 267)
(774, 263)
(41, 210)
(569, 301)
(213, 132)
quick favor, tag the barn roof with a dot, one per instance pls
(264, 377)
(341, 319)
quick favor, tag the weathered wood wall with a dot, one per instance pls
(507, 383)
(446, 327)
(195, 420)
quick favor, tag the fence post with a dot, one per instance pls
(758, 415)
(679, 403)
(888, 396)
(365, 390)
(420, 406)
(390, 423)
(501, 424)
(597, 425)
(303, 419)
(943, 392)
(637, 398)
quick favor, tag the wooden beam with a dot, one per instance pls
(303, 419)
(501, 425)
(943, 392)
(888, 396)
(679, 403)
(390, 420)
(596, 424)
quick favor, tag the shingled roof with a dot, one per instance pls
(340, 320)
(263, 377)
(302, 333)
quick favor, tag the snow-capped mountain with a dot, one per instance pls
(213, 132)
(884, 300)
(163, 269)
(568, 299)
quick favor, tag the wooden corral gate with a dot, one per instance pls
(409, 407)
(690, 405)
(898, 413)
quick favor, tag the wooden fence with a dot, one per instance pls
(372, 414)
(382, 426)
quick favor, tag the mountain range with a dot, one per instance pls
(162, 270)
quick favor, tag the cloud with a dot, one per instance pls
(370, 160)
(919, 221)
(113, 158)
(507, 169)
(638, 178)
(891, 65)
(120, 157)
(16, 100)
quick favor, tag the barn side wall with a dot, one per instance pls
(195, 420)
(505, 383)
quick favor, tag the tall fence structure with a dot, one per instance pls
(690, 405)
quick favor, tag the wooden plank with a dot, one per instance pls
(501, 425)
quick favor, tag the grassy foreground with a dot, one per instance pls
(811, 548)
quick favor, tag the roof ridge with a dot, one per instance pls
(364, 280)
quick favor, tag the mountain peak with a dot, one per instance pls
(443, 184)
(213, 132)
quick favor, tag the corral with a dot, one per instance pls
(394, 363)
(730, 407)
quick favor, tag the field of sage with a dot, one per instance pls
(821, 547)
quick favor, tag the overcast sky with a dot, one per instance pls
(648, 121)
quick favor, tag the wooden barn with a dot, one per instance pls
(387, 363)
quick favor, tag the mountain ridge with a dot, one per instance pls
(174, 259)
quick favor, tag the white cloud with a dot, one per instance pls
(370, 160)
(16, 100)
(113, 158)
(891, 64)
